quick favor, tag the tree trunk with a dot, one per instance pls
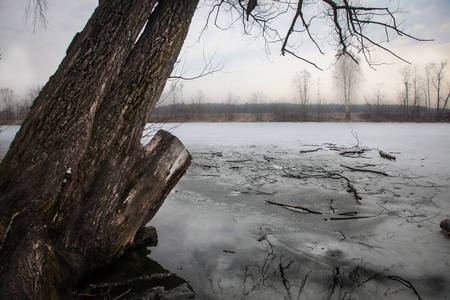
(77, 184)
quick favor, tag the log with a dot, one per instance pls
(386, 155)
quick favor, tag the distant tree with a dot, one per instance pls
(174, 96)
(7, 108)
(416, 83)
(405, 74)
(376, 110)
(319, 101)
(347, 78)
(426, 87)
(302, 83)
(256, 100)
(23, 106)
(230, 107)
(438, 83)
(198, 102)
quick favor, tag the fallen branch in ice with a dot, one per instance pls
(405, 283)
(389, 211)
(297, 208)
(370, 246)
(386, 155)
(411, 220)
(364, 170)
(308, 151)
(352, 152)
(351, 189)
(257, 192)
(238, 161)
(320, 172)
(350, 218)
(212, 153)
(307, 210)
(207, 167)
(302, 286)
(343, 236)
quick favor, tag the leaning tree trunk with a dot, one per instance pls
(77, 184)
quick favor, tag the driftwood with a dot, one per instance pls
(351, 218)
(352, 152)
(351, 188)
(308, 151)
(386, 155)
(364, 170)
(307, 210)
(320, 172)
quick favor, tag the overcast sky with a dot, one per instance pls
(30, 57)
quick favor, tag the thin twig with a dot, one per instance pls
(405, 283)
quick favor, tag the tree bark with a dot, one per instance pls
(76, 184)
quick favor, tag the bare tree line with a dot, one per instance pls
(427, 87)
(423, 95)
(14, 108)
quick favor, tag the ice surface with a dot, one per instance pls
(220, 205)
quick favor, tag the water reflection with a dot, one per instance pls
(134, 276)
(221, 256)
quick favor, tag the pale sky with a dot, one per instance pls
(30, 57)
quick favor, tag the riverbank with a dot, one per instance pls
(272, 117)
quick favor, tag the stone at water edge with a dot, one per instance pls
(445, 225)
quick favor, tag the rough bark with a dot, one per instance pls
(76, 178)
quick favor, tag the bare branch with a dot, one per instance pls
(209, 68)
(36, 10)
(355, 27)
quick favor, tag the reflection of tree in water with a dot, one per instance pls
(134, 276)
(273, 274)
(289, 278)
(271, 269)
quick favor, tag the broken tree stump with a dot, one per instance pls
(54, 243)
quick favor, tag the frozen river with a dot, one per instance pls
(218, 232)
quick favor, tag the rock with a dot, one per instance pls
(146, 236)
(445, 225)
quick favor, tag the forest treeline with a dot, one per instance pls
(293, 112)
(14, 112)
